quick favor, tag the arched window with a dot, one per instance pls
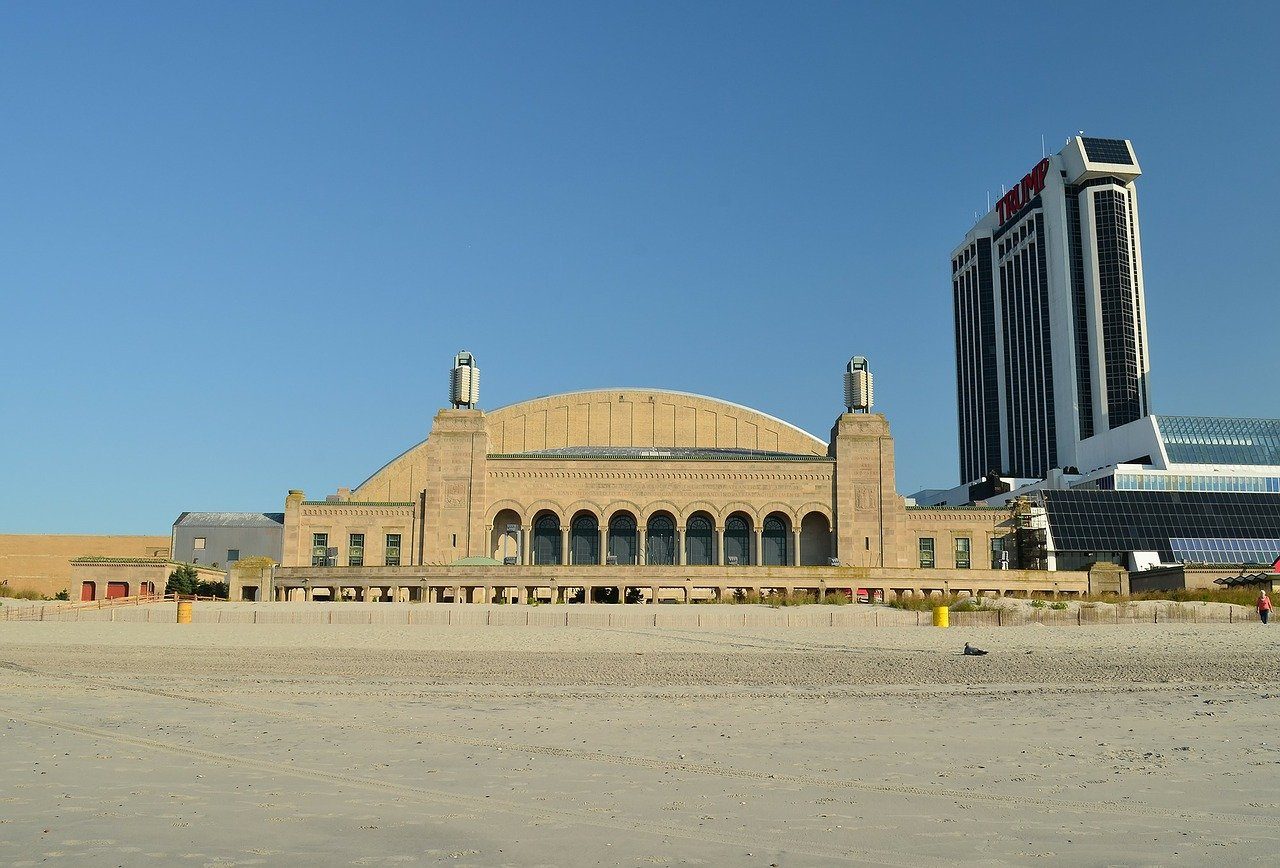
(737, 540)
(622, 538)
(584, 539)
(661, 542)
(774, 541)
(546, 540)
(699, 542)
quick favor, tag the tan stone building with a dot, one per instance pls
(621, 493)
(41, 562)
(109, 578)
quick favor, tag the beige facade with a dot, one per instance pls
(644, 480)
(42, 562)
(105, 578)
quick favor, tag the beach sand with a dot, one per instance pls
(127, 743)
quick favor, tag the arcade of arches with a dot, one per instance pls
(660, 538)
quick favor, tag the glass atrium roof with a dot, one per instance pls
(1220, 440)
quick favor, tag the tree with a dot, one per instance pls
(183, 580)
(212, 589)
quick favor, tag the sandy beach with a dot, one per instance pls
(135, 743)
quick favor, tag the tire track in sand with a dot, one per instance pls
(704, 769)
(487, 805)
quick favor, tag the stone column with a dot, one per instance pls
(604, 545)
(719, 555)
(795, 547)
(640, 544)
(682, 556)
(566, 556)
(758, 557)
(526, 531)
(311, 594)
(653, 594)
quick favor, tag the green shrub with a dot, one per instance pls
(927, 604)
(62, 595)
(1058, 604)
(24, 594)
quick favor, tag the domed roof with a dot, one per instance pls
(602, 420)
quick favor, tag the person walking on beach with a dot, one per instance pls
(1264, 605)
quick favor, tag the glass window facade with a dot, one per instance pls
(319, 549)
(1128, 521)
(1194, 482)
(1030, 421)
(976, 373)
(393, 550)
(1080, 316)
(962, 553)
(926, 552)
(1220, 440)
(1217, 550)
(1121, 347)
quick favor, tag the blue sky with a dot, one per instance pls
(240, 243)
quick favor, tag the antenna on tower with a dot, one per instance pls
(1042, 146)
(464, 382)
(857, 385)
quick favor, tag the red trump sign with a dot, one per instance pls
(1022, 193)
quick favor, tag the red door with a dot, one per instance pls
(88, 592)
(117, 589)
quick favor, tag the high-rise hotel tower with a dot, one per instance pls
(1051, 335)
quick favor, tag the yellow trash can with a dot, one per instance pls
(941, 616)
(184, 612)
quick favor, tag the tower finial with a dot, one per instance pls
(464, 382)
(858, 385)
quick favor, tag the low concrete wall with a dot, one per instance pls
(889, 580)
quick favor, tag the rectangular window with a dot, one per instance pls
(962, 553)
(319, 549)
(355, 550)
(393, 550)
(998, 556)
(233, 555)
(926, 553)
(198, 544)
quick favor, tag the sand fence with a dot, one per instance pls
(1003, 613)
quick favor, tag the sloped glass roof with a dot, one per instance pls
(1220, 440)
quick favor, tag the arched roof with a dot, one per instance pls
(636, 417)
(619, 417)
